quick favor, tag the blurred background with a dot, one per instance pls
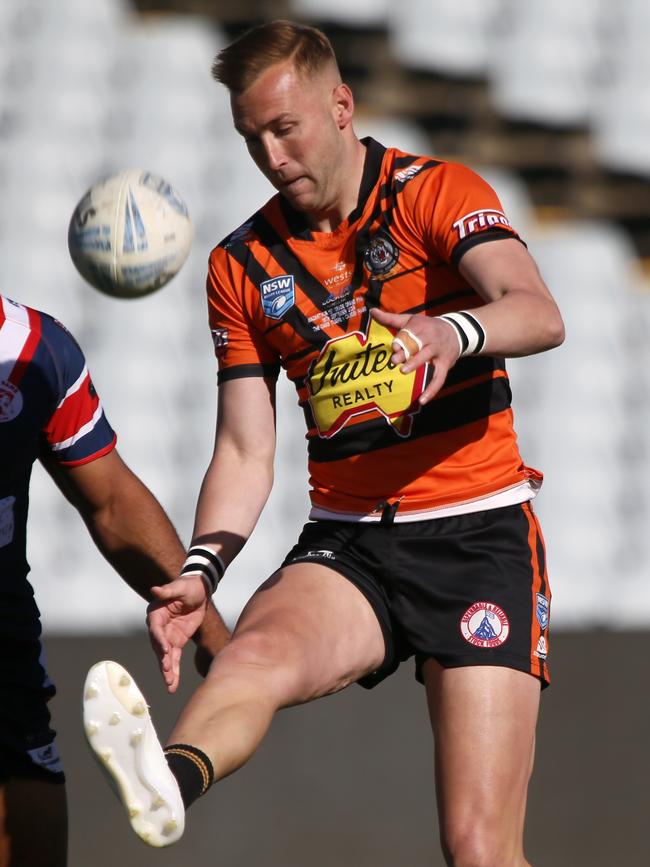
(547, 99)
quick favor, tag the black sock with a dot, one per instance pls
(193, 770)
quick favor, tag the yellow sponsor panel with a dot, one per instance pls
(353, 376)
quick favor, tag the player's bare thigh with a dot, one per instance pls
(484, 720)
(312, 623)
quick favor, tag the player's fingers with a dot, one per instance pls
(394, 320)
(406, 342)
(439, 375)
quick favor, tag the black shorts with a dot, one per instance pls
(27, 741)
(464, 590)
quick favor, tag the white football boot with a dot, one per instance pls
(123, 739)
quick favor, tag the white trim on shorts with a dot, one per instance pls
(522, 492)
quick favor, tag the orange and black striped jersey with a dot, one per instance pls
(281, 294)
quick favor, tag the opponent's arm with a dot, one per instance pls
(519, 318)
(131, 530)
(235, 488)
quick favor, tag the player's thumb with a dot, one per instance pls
(396, 320)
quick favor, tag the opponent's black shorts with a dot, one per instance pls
(27, 742)
(464, 590)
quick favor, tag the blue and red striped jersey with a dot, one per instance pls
(47, 405)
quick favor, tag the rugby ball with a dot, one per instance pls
(130, 234)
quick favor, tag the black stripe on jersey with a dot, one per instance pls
(443, 414)
(240, 371)
(257, 275)
(471, 367)
(272, 241)
(371, 171)
(443, 301)
(470, 241)
(392, 188)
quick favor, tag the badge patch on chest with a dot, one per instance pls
(11, 401)
(278, 295)
(353, 376)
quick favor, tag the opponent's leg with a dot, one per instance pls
(33, 823)
(483, 721)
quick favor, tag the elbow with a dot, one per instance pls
(556, 332)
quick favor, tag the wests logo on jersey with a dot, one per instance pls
(353, 376)
(477, 221)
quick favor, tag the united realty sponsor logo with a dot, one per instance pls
(278, 295)
(476, 221)
(484, 624)
(354, 376)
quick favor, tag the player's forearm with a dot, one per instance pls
(234, 492)
(137, 538)
(520, 323)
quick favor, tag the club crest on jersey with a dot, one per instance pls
(484, 624)
(11, 401)
(542, 610)
(353, 378)
(381, 255)
(278, 295)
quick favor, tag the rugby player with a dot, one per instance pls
(390, 287)
(49, 410)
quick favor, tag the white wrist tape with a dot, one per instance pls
(206, 563)
(469, 331)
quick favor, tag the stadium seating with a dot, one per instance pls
(87, 88)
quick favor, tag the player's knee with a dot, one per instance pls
(480, 845)
(264, 661)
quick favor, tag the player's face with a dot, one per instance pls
(292, 127)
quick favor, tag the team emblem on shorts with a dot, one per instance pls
(278, 295)
(484, 624)
(11, 401)
(381, 255)
(542, 648)
(542, 610)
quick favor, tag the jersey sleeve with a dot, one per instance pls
(457, 209)
(240, 346)
(78, 431)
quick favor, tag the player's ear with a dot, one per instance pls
(343, 105)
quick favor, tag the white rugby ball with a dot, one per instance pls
(130, 234)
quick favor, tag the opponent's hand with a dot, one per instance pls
(173, 617)
(210, 638)
(425, 338)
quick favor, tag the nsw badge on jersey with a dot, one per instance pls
(278, 295)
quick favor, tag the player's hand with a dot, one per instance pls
(175, 614)
(425, 338)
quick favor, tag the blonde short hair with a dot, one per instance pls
(239, 64)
